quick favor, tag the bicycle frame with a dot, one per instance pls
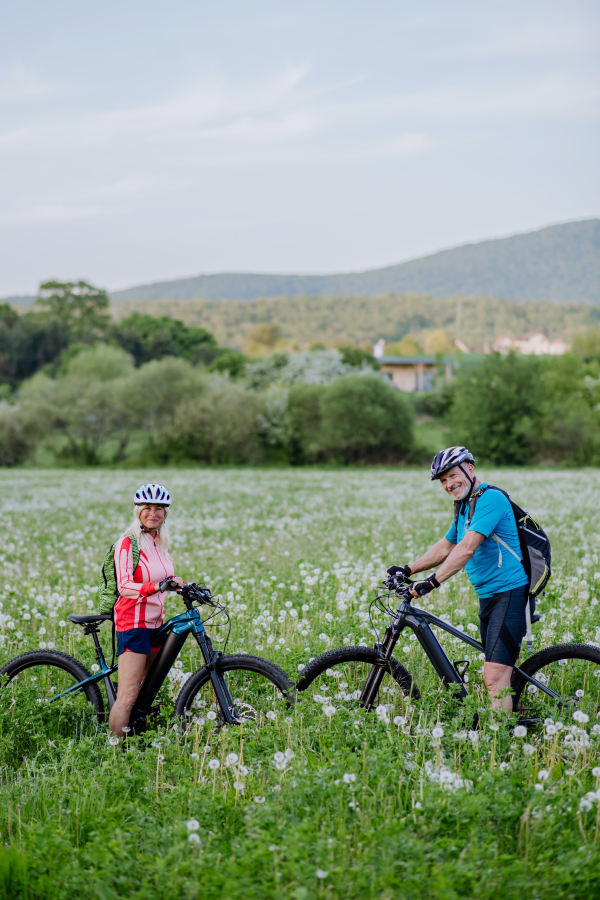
(420, 621)
(176, 630)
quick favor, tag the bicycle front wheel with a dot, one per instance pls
(570, 670)
(256, 686)
(338, 677)
(35, 681)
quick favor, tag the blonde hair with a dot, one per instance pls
(162, 536)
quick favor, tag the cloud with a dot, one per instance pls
(55, 212)
(22, 83)
(87, 203)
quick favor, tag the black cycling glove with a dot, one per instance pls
(425, 587)
(405, 570)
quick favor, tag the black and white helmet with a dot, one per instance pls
(448, 458)
(152, 493)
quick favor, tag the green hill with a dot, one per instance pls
(560, 263)
(357, 320)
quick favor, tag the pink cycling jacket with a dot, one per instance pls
(140, 603)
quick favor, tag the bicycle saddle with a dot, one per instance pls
(88, 620)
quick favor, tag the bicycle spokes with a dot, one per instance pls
(576, 683)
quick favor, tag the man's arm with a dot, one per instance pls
(434, 556)
(459, 555)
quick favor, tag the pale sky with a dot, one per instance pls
(144, 141)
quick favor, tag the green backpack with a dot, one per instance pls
(108, 592)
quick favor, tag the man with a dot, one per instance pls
(499, 578)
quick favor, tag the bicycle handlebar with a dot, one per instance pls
(190, 592)
(400, 584)
(168, 585)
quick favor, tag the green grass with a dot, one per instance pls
(79, 817)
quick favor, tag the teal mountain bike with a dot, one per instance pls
(227, 690)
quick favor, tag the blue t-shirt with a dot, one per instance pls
(493, 513)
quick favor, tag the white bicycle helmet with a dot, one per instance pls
(448, 458)
(152, 493)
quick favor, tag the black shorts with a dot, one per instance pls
(502, 624)
(137, 640)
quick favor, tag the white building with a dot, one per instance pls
(535, 343)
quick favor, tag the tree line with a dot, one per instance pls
(79, 388)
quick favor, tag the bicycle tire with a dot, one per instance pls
(546, 665)
(188, 696)
(341, 656)
(57, 660)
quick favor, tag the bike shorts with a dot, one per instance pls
(502, 624)
(137, 640)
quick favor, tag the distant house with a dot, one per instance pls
(535, 343)
(413, 373)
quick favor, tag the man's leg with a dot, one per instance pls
(497, 677)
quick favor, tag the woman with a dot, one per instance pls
(140, 609)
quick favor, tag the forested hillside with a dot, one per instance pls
(358, 320)
(560, 263)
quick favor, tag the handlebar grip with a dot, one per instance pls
(168, 585)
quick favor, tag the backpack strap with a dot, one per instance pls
(135, 550)
(473, 501)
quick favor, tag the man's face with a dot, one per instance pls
(456, 483)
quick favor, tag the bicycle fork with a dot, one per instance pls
(220, 688)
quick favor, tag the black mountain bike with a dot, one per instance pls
(226, 689)
(553, 682)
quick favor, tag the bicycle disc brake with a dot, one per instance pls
(243, 712)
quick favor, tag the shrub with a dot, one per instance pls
(220, 427)
(498, 409)
(365, 420)
(304, 411)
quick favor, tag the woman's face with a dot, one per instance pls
(152, 516)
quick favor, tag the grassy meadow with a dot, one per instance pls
(305, 802)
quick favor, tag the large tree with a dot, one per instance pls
(80, 306)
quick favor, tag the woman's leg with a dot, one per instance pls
(133, 668)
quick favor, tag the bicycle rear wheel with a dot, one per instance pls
(35, 678)
(255, 685)
(338, 677)
(570, 670)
